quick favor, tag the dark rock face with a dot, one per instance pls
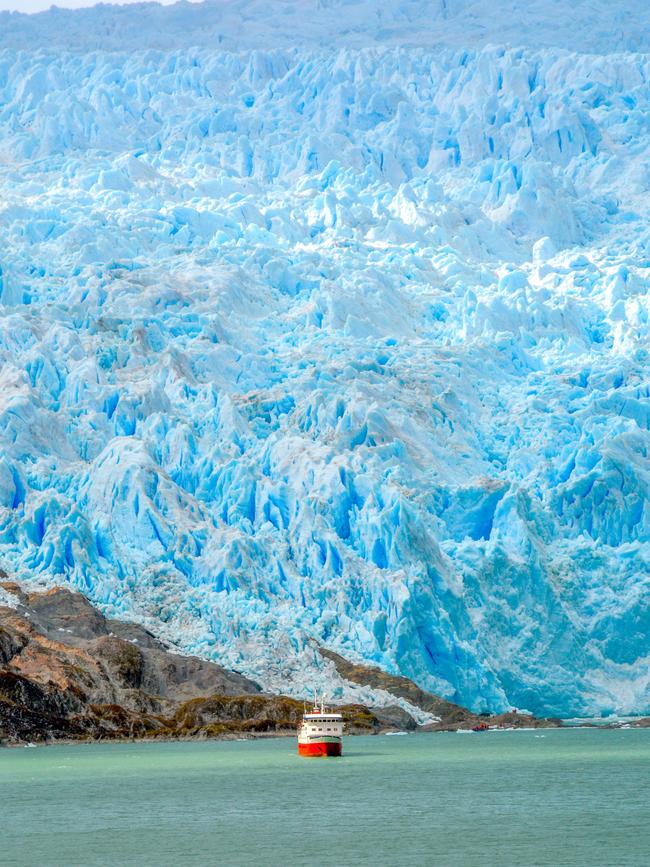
(395, 718)
(10, 646)
(66, 671)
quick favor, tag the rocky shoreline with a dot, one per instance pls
(67, 673)
(70, 675)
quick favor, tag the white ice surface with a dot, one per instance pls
(600, 26)
(7, 599)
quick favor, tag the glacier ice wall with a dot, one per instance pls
(598, 26)
(337, 345)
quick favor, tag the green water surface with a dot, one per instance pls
(558, 798)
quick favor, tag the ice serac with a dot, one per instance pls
(336, 344)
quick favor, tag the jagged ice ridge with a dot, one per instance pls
(336, 345)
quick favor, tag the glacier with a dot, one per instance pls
(314, 335)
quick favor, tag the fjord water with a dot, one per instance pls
(556, 797)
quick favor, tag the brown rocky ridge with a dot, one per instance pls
(451, 716)
(69, 673)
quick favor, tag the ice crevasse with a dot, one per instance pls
(338, 345)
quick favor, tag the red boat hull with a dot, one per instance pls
(320, 749)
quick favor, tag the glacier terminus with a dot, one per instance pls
(316, 332)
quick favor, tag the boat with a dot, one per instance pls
(320, 732)
(481, 727)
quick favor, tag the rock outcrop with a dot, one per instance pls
(451, 716)
(68, 672)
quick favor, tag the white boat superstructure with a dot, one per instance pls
(321, 732)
